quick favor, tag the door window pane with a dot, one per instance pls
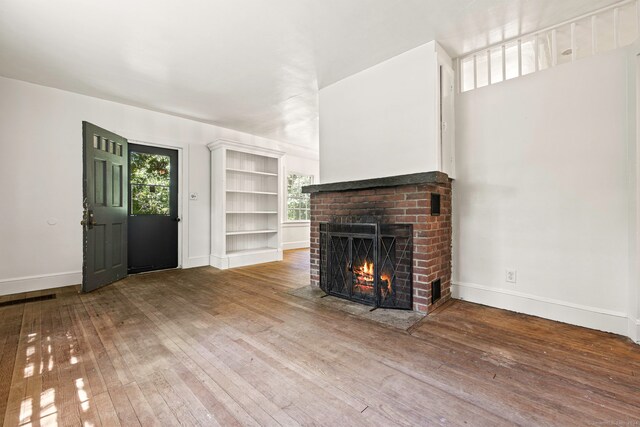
(149, 184)
(149, 200)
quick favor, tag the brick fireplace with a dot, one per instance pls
(422, 200)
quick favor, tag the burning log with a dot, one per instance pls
(363, 280)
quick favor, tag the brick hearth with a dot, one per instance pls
(394, 204)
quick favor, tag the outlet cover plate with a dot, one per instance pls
(511, 276)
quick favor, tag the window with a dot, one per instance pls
(149, 181)
(608, 28)
(298, 203)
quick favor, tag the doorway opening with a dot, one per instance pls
(130, 208)
(153, 209)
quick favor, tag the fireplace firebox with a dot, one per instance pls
(367, 262)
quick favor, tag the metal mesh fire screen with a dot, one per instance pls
(369, 263)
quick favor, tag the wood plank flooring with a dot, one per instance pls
(209, 347)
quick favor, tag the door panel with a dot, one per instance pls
(117, 247)
(116, 185)
(100, 181)
(105, 158)
(99, 246)
(153, 208)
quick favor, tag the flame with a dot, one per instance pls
(368, 269)
(364, 279)
(385, 279)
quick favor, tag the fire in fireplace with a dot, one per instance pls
(364, 279)
(369, 263)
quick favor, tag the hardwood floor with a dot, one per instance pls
(211, 347)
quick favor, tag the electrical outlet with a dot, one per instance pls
(511, 276)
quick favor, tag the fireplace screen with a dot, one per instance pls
(367, 262)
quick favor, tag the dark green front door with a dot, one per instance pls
(153, 208)
(105, 193)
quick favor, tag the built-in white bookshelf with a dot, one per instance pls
(246, 185)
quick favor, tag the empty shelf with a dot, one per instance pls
(237, 233)
(252, 212)
(251, 172)
(252, 192)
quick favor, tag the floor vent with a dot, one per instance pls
(26, 300)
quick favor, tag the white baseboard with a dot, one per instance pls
(221, 262)
(198, 261)
(562, 311)
(39, 282)
(296, 224)
(296, 245)
(634, 330)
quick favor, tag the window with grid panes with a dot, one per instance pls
(298, 203)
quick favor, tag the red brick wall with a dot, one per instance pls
(395, 205)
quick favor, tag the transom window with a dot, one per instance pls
(609, 28)
(298, 203)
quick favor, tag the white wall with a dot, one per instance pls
(634, 194)
(382, 121)
(543, 187)
(41, 173)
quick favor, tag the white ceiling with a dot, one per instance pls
(250, 65)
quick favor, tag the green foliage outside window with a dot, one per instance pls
(298, 203)
(149, 178)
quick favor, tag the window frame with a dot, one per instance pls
(286, 219)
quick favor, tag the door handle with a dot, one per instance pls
(88, 220)
(177, 219)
